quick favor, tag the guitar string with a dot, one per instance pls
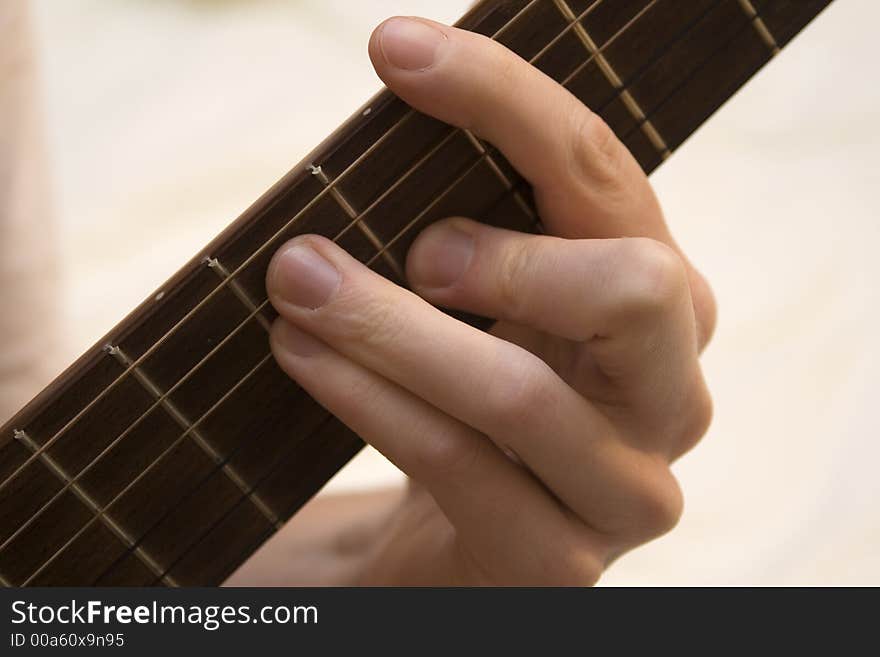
(268, 474)
(243, 554)
(235, 331)
(406, 228)
(131, 484)
(682, 34)
(338, 447)
(323, 193)
(443, 194)
(259, 309)
(454, 184)
(399, 234)
(180, 439)
(381, 252)
(159, 401)
(570, 77)
(403, 231)
(470, 168)
(750, 24)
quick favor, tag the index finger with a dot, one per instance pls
(586, 182)
(562, 148)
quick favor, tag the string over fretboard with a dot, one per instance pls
(172, 449)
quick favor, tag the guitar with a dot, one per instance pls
(171, 450)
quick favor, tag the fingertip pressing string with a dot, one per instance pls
(213, 263)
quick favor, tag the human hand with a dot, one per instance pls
(539, 452)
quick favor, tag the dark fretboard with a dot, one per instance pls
(171, 450)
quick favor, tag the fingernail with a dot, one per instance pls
(304, 278)
(410, 44)
(296, 342)
(441, 255)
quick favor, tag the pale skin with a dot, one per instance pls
(540, 452)
(537, 453)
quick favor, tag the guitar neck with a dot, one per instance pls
(171, 450)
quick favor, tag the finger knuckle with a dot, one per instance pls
(653, 280)
(697, 420)
(513, 269)
(705, 307)
(450, 454)
(659, 505)
(574, 562)
(596, 154)
(523, 385)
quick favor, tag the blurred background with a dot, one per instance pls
(167, 118)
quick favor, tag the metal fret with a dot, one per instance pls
(611, 75)
(353, 214)
(195, 434)
(73, 389)
(169, 449)
(430, 207)
(345, 444)
(505, 180)
(99, 512)
(216, 266)
(760, 27)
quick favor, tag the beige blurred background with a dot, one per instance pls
(166, 118)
